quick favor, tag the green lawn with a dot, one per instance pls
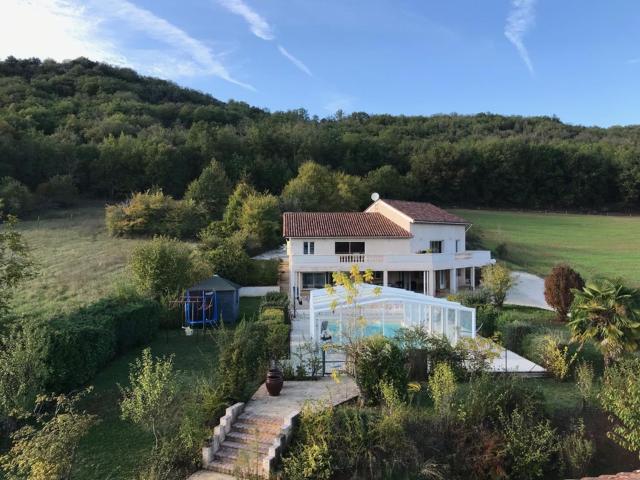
(77, 261)
(114, 449)
(595, 245)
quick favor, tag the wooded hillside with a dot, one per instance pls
(117, 132)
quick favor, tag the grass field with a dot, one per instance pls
(115, 449)
(595, 245)
(77, 261)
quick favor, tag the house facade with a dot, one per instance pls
(411, 245)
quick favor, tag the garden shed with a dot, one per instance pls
(210, 301)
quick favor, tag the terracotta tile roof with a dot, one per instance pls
(617, 476)
(340, 224)
(424, 212)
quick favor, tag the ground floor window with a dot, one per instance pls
(315, 279)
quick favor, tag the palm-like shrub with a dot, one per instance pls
(608, 313)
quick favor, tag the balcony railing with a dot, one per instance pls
(360, 258)
(421, 261)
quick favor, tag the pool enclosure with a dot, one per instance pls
(339, 314)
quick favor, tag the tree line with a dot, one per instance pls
(116, 132)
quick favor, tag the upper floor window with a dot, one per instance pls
(436, 246)
(457, 246)
(343, 248)
(309, 248)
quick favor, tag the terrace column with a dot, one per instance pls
(424, 282)
(385, 278)
(473, 278)
(453, 280)
(432, 282)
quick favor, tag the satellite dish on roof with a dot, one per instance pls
(375, 196)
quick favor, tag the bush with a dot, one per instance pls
(377, 359)
(529, 444)
(476, 298)
(442, 386)
(576, 451)
(514, 333)
(488, 396)
(15, 197)
(154, 213)
(496, 279)
(163, 267)
(59, 191)
(242, 360)
(558, 286)
(277, 336)
(72, 348)
(486, 318)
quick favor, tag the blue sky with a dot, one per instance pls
(579, 60)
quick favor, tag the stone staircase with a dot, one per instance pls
(246, 445)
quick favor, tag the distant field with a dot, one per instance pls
(593, 244)
(77, 260)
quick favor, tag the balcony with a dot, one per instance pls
(411, 262)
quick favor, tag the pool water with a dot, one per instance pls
(390, 329)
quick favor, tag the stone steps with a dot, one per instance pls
(261, 438)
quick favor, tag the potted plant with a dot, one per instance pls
(275, 380)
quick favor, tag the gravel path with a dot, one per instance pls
(528, 291)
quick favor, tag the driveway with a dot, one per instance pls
(527, 291)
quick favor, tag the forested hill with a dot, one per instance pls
(117, 132)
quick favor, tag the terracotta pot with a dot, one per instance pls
(274, 382)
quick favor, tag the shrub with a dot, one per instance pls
(486, 318)
(15, 197)
(45, 447)
(68, 350)
(442, 386)
(476, 298)
(623, 408)
(149, 399)
(585, 381)
(378, 359)
(311, 457)
(514, 333)
(558, 286)
(59, 191)
(529, 444)
(262, 273)
(556, 357)
(229, 260)
(277, 336)
(496, 279)
(279, 301)
(242, 359)
(163, 267)
(576, 451)
(154, 213)
(487, 397)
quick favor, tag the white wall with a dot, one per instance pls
(424, 233)
(391, 213)
(373, 246)
(258, 291)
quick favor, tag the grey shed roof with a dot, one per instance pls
(216, 283)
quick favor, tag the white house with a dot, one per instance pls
(411, 245)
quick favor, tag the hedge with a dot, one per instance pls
(74, 347)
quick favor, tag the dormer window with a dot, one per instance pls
(435, 246)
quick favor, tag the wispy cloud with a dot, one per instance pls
(261, 28)
(294, 60)
(633, 61)
(521, 18)
(64, 29)
(258, 25)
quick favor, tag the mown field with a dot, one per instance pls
(596, 245)
(77, 261)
